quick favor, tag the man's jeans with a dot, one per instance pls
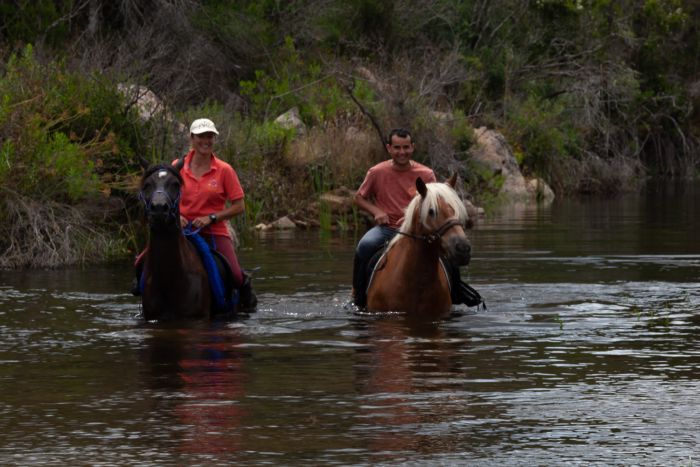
(369, 244)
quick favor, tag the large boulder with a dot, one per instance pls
(539, 190)
(492, 151)
(283, 223)
(148, 105)
(340, 200)
(291, 119)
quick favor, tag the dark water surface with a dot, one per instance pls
(588, 355)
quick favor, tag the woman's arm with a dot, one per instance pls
(235, 208)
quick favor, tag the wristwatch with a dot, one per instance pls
(212, 218)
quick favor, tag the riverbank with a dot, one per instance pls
(585, 99)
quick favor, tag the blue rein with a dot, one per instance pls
(188, 230)
(222, 302)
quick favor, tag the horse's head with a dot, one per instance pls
(437, 216)
(160, 193)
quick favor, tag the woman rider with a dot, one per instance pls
(212, 194)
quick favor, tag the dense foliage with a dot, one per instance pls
(592, 95)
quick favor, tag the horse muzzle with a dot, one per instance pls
(158, 214)
(163, 216)
(459, 251)
(161, 210)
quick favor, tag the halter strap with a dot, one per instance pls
(173, 203)
(435, 236)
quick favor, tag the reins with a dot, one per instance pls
(435, 236)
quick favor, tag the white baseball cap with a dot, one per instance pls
(202, 125)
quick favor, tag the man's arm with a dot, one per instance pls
(380, 217)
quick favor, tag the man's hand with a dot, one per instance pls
(381, 218)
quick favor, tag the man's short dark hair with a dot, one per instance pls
(401, 133)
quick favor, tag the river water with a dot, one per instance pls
(587, 355)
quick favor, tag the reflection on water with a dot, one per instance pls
(205, 368)
(588, 354)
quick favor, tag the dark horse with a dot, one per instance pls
(175, 284)
(410, 277)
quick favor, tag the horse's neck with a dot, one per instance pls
(167, 253)
(418, 256)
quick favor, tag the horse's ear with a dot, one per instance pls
(452, 181)
(143, 162)
(179, 164)
(420, 186)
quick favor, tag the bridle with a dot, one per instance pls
(437, 234)
(172, 203)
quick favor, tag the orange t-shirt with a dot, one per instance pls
(209, 193)
(391, 189)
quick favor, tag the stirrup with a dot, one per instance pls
(135, 287)
(247, 298)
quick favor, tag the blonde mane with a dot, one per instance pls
(430, 201)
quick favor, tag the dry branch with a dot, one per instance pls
(46, 234)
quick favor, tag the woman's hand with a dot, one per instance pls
(201, 222)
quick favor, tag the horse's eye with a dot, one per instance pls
(431, 212)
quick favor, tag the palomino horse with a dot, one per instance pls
(410, 276)
(175, 284)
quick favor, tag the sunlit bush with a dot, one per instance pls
(61, 130)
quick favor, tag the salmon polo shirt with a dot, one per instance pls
(392, 189)
(209, 193)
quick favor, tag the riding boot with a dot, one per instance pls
(461, 292)
(136, 281)
(468, 295)
(359, 287)
(246, 295)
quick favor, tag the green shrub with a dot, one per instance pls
(295, 82)
(62, 131)
(542, 133)
(462, 133)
